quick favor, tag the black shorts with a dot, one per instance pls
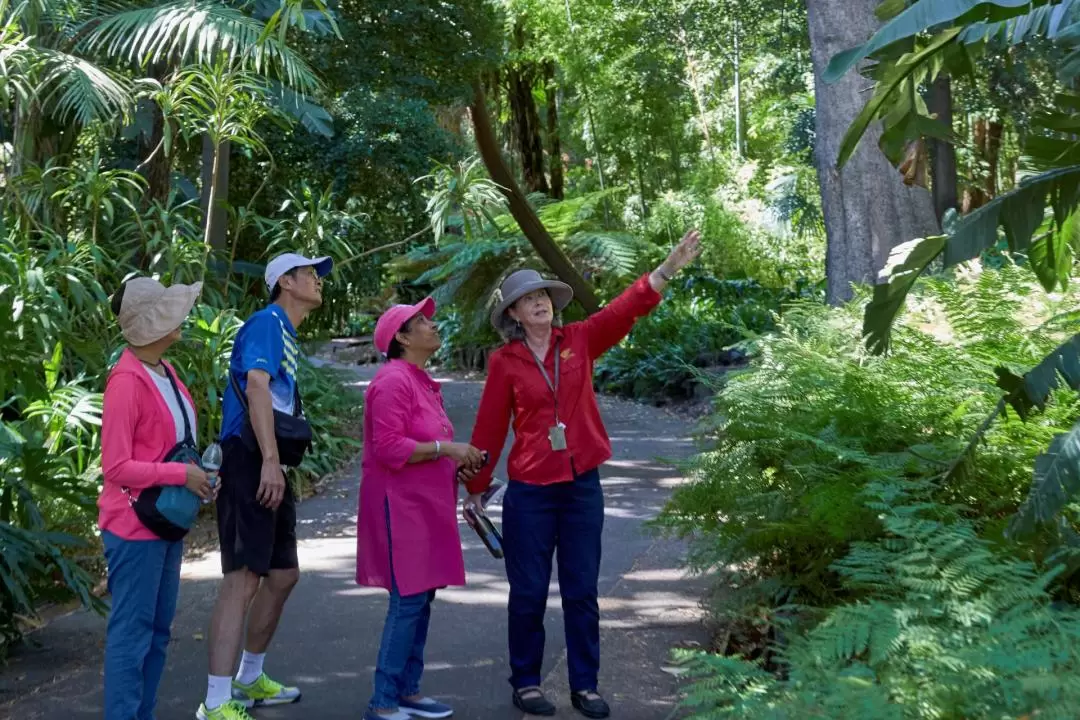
(252, 536)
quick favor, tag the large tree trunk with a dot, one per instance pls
(943, 160)
(520, 79)
(868, 209)
(527, 129)
(555, 160)
(215, 192)
(526, 218)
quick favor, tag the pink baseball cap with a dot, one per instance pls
(391, 321)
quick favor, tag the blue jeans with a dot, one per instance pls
(144, 581)
(401, 652)
(538, 521)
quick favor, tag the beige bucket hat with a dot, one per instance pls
(519, 284)
(149, 311)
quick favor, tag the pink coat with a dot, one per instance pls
(137, 430)
(403, 407)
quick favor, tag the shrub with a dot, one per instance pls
(946, 628)
(815, 420)
(735, 248)
(697, 326)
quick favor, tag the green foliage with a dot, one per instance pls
(734, 247)
(463, 193)
(816, 419)
(72, 229)
(469, 270)
(947, 627)
(933, 38)
(694, 330)
(186, 32)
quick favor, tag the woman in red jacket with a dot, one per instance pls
(541, 379)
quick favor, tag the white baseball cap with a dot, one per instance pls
(290, 261)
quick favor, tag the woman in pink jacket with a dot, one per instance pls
(148, 417)
(407, 532)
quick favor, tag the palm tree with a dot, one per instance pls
(78, 63)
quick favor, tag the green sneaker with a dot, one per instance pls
(263, 692)
(232, 710)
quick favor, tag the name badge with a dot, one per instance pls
(557, 437)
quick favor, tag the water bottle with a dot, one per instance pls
(211, 463)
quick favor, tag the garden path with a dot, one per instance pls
(330, 633)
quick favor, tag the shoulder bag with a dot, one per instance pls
(293, 432)
(169, 511)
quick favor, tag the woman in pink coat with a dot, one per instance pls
(407, 534)
(148, 430)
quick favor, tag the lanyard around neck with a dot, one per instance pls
(552, 386)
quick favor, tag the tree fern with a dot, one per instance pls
(467, 271)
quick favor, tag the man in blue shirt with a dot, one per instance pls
(256, 507)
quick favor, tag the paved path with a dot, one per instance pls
(330, 632)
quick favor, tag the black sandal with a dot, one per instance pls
(590, 704)
(531, 701)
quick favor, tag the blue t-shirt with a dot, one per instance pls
(267, 341)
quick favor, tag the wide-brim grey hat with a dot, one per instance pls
(519, 284)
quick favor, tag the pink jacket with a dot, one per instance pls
(403, 407)
(137, 430)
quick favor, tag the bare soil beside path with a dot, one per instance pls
(330, 632)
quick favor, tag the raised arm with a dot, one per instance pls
(492, 422)
(607, 327)
(119, 418)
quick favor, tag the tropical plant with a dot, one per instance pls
(697, 329)
(462, 196)
(919, 43)
(70, 59)
(946, 627)
(816, 419)
(928, 39)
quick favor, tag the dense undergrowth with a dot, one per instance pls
(863, 569)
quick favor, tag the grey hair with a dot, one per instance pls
(511, 330)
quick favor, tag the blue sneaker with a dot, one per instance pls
(425, 708)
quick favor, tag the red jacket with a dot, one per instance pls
(516, 390)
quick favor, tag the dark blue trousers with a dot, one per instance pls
(567, 520)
